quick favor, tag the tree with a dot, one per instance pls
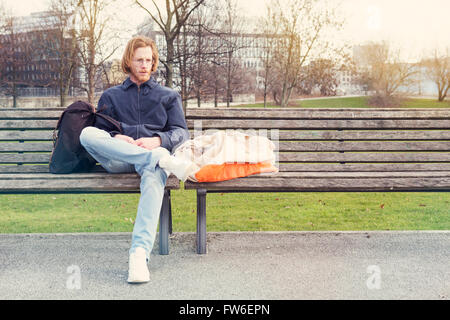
(16, 54)
(438, 69)
(232, 26)
(93, 49)
(112, 73)
(269, 33)
(384, 73)
(322, 74)
(62, 44)
(170, 22)
(223, 73)
(199, 52)
(300, 26)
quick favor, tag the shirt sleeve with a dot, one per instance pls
(105, 106)
(175, 131)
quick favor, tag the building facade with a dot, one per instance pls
(32, 59)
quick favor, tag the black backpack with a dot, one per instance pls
(68, 154)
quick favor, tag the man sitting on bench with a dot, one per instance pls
(153, 124)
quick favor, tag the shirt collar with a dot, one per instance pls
(151, 83)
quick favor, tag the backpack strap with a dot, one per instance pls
(58, 125)
(110, 120)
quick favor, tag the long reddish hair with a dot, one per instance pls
(135, 43)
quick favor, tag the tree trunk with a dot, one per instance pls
(183, 63)
(265, 98)
(443, 94)
(91, 89)
(62, 97)
(198, 76)
(216, 86)
(91, 70)
(266, 76)
(229, 79)
(440, 93)
(62, 86)
(283, 96)
(14, 94)
(169, 63)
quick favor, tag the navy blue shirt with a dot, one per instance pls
(146, 111)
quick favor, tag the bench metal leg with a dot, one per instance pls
(170, 213)
(164, 223)
(201, 221)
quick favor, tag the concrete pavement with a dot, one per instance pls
(239, 265)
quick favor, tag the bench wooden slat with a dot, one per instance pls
(425, 135)
(275, 113)
(28, 124)
(365, 146)
(44, 113)
(318, 124)
(311, 113)
(73, 176)
(287, 146)
(366, 174)
(404, 157)
(29, 135)
(326, 184)
(23, 147)
(288, 157)
(364, 135)
(349, 135)
(40, 183)
(24, 168)
(24, 158)
(38, 168)
(285, 167)
(360, 167)
(33, 170)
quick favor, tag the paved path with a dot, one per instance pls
(262, 265)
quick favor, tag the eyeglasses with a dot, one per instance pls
(143, 61)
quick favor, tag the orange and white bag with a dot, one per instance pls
(228, 154)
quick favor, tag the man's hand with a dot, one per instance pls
(125, 138)
(149, 143)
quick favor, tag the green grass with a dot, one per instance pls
(354, 102)
(230, 212)
(426, 103)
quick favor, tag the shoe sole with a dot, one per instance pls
(137, 281)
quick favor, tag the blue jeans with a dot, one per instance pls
(118, 156)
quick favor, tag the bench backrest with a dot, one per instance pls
(26, 142)
(26, 139)
(342, 139)
(307, 139)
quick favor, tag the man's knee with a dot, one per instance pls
(85, 135)
(88, 135)
(156, 175)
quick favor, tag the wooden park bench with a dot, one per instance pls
(319, 150)
(327, 150)
(25, 147)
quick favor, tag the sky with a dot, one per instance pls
(414, 26)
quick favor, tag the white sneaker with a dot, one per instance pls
(181, 168)
(138, 270)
